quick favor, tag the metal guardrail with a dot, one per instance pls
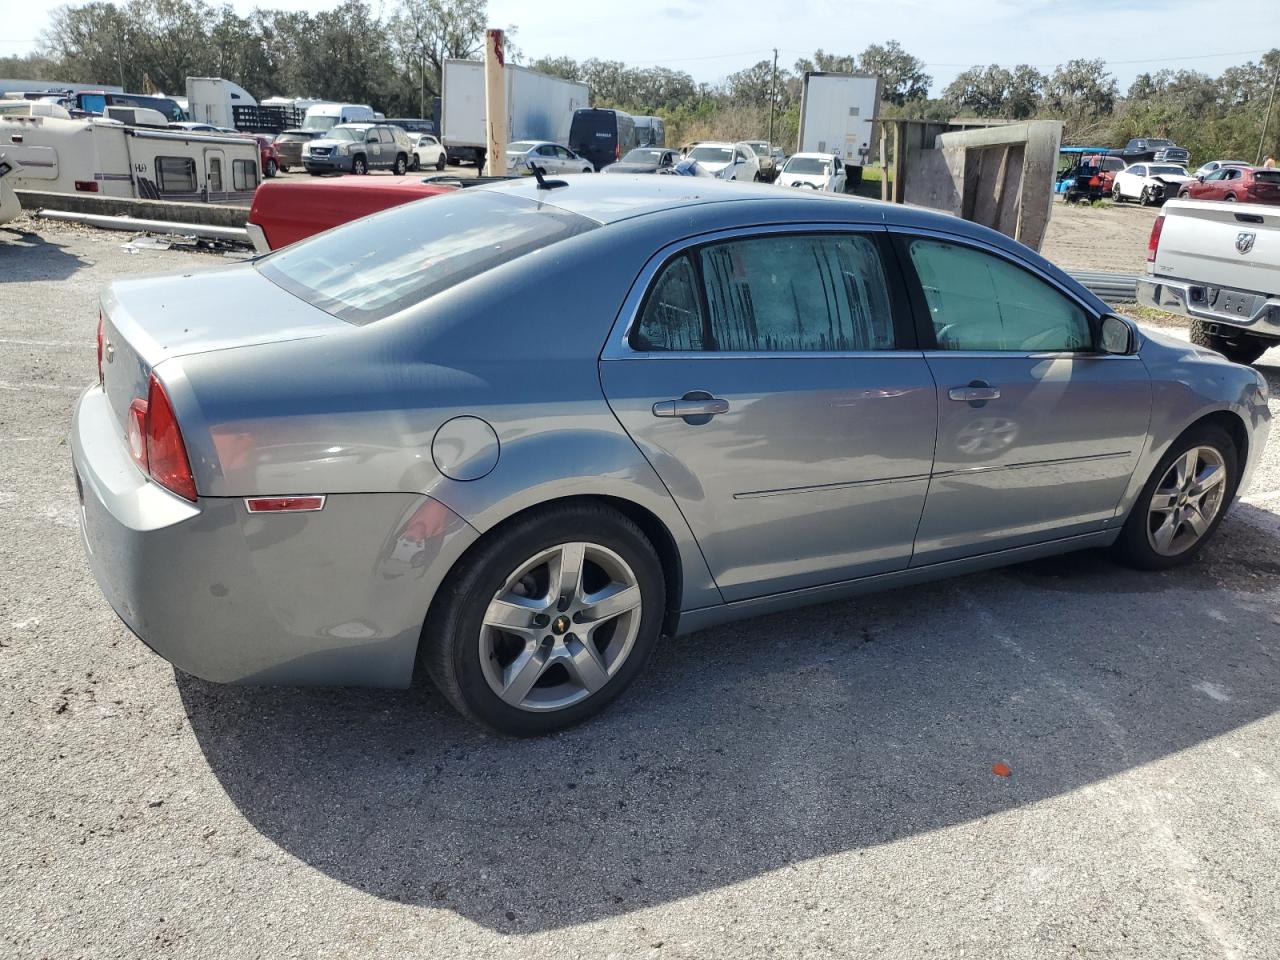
(1110, 287)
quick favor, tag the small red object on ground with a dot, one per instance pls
(1002, 770)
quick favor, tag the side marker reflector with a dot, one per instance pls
(308, 504)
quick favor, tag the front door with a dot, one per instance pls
(773, 383)
(1038, 433)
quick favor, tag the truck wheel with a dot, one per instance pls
(1243, 349)
(402, 165)
(359, 167)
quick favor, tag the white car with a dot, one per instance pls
(427, 152)
(1213, 166)
(728, 161)
(1149, 182)
(816, 171)
(546, 156)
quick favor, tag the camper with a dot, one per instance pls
(115, 159)
(322, 116)
(213, 100)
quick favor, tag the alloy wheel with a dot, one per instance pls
(560, 627)
(1186, 501)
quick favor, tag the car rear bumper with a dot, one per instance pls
(1254, 313)
(336, 596)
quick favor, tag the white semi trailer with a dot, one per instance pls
(837, 116)
(539, 107)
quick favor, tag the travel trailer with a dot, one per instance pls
(116, 159)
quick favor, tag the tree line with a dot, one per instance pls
(393, 60)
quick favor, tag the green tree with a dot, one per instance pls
(903, 75)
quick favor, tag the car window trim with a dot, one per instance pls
(900, 237)
(618, 346)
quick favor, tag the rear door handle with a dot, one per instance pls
(979, 391)
(694, 407)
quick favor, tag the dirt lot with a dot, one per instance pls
(815, 783)
(1109, 237)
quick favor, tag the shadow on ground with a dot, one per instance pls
(754, 746)
(28, 256)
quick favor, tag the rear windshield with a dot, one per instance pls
(643, 155)
(712, 154)
(372, 268)
(521, 146)
(589, 124)
(1167, 169)
(1267, 176)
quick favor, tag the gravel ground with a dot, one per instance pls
(817, 783)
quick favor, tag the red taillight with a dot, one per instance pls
(101, 378)
(87, 186)
(155, 441)
(1154, 242)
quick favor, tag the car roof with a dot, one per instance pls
(810, 155)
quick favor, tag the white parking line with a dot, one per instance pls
(28, 385)
(41, 343)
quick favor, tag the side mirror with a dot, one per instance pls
(1200, 178)
(1117, 336)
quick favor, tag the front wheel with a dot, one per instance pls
(1230, 198)
(1116, 195)
(1184, 501)
(359, 167)
(402, 165)
(548, 621)
(1145, 197)
(1242, 349)
(272, 168)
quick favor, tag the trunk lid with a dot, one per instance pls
(150, 320)
(1220, 244)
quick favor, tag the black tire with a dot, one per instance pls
(415, 163)
(1116, 195)
(1230, 198)
(1132, 547)
(1184, 194)
(314, 173)
(359, 167)
(272, 168)
(441, 162)
(1242, 349)
(402, 165)
(1144, 198)
(450, 648)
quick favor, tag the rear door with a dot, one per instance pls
(1038, 432)
(772, 380)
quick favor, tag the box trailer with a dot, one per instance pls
(837, 116)
(539, 107)
(213, 100)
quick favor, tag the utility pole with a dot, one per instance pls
(773, 93)
(1266, 122)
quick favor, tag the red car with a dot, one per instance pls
(268, 156)
(1243, 184)
(285, 212)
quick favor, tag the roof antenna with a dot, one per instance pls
(543, 182)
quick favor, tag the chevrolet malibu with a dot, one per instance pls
(521, 431)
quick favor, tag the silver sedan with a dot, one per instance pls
(521, 431)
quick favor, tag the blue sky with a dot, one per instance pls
(712, 38)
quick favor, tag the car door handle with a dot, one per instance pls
(977, 391)
(694, 407)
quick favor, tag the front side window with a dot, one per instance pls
(176, 174)
(1139, 171)
(783, 294)
(385, 135)
(977, 301)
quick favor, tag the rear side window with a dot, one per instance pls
(780, 294)
(980, 302)
(372, 268)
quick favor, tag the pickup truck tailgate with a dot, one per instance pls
(1221, 244)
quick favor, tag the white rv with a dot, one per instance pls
(114, 159)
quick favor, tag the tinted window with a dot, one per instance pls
(1267, 176)
(980, 302)
(176, 174)
(377, 266)
(672, 316)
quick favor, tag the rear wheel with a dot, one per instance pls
(415, 163)
(548, 621)
(440, 162)
(1183, 502)
(1239, 349)
(272, 168)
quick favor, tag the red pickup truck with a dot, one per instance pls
(287, 211)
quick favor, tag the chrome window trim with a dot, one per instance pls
(618, 346)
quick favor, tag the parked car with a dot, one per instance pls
(815, 171)
(548, 157)
(286, 212)
(764, 155)
(1232, 184)
(377, 464)
(269, 157)
(1214, 165)
(289, 144)
(686, 168)
(728, 161)
(358, 148)
(779, 157)
(1155, 150)
(1090, 176)
(1221, 268)
(645, 160)
(1149, 183)
(428, 151)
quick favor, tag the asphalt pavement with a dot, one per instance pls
(815, 783)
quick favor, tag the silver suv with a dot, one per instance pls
(358, 148)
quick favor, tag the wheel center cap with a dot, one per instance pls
(560, 624)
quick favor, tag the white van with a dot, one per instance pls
(323, 116)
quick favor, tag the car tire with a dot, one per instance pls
(440, 163)
(588, 170)
(314, 173)
(359, 167)
(401, 165)
(1230, 198)
(1184, 194)
(1207, 446)
(272, 168)
(1242, 349)
(469, 660)
(1144, 198)
(415, 163)
(1116, 195)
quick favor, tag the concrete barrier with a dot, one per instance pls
(199, 214)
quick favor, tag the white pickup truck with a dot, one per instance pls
(1219, 264)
